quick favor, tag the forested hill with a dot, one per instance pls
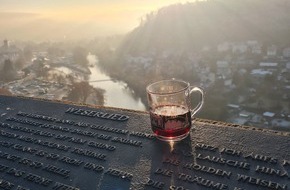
(193, 25)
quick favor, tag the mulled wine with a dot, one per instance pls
(170, 108)
(170, 122)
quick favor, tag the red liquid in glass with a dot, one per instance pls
(170, 121)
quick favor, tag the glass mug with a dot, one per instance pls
(170, 108)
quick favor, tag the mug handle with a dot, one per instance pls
(200, 104)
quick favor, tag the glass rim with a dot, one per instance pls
(168, 80)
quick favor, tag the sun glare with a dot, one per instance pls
(101, 18)
(107, 12)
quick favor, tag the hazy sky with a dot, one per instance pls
(59, 19)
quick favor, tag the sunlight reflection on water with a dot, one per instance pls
(117, 93)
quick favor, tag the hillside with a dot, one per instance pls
(168, 44)
(192, 25)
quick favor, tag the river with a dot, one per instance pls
(117, 93)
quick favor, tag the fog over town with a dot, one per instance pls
(237, 51)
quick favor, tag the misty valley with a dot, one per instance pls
(237, 51)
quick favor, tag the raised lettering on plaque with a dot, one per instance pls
(53, 145)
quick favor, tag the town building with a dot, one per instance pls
(272, 51)
(239, 48)
(223, 47)
(8, 51)
(286, 52)
(223, 68)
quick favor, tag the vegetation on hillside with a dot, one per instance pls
(173, 38)
(191, 26)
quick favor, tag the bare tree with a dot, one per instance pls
(8, 72)
(80, 92)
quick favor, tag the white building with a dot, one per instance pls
(288, 65)
(272, 51)
(239, 48)
(234, 106)
(260, 73)
(223, 68)
(268, 64)
(268, 114)
(286, 52)
(207, 79)
(228, 82)
(257, 49)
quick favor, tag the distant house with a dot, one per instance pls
(242, 71)
(256, 119)
(245, 114)
(242, 118)
(223, 68)
(242, 62)
(40, 54)
(288, 66)
(260, 73)
(269, 114)
(286, 52)
(254, 46)
(239, 120)
(240, 48)
(228, 82)
(268, 64)
(252, 43)
(272, 51)
(280, 123)
(257, 49)
(8, 52)
(223, 47)
(207, 79)
(233, 106)
(140, 60)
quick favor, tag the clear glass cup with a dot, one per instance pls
(170, 108)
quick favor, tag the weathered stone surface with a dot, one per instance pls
(53, 145)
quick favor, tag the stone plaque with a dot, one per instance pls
(53, 145)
